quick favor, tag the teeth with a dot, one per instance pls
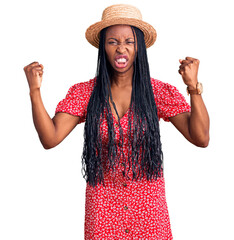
(122, 60)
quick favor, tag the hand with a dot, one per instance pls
(34, 73)
(188, 70)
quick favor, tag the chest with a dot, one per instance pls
(122, 100)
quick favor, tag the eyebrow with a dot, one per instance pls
(117, 40)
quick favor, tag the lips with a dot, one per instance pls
(121, 61)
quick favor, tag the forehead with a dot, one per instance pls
(119, 31)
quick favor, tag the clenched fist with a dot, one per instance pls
(34, 73)
(189, 70)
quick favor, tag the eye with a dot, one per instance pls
(112, 42)
(130, 42)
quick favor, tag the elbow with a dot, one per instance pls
(206, 144)
(47, 147)
(48, 144)
(200, 138)
(203, 143)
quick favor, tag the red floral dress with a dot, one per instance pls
(126, 209)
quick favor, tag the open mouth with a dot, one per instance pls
(121, 61)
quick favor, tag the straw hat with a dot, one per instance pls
(121, 14)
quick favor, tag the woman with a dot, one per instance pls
(121, 107)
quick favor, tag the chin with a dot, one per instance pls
(122, 70)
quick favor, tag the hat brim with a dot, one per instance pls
(93, 32)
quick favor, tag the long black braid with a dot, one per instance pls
(143, 125)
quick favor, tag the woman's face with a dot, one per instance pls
(120, 48)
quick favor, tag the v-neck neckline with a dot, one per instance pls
(116, 120)
(120, 119)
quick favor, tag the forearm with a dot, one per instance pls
(42, 121)
(199, 121)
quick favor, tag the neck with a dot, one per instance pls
(122, 80)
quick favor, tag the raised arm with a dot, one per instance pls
(50, 131)
(195, 125)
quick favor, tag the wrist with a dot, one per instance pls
(197, 90)
(34, 92)
(192, 86)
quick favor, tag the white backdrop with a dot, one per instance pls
(42, 192)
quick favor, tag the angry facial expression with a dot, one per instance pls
(120, 46)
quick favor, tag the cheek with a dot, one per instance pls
(108, 53)
(133, 53)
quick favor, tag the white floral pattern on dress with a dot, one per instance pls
(126, 209)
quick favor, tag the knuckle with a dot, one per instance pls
(27, 66)
(33, 64)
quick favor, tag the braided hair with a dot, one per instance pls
(144, 145)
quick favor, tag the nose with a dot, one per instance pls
(121, 48)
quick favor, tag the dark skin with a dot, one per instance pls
(119, 42)
(195, 125)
